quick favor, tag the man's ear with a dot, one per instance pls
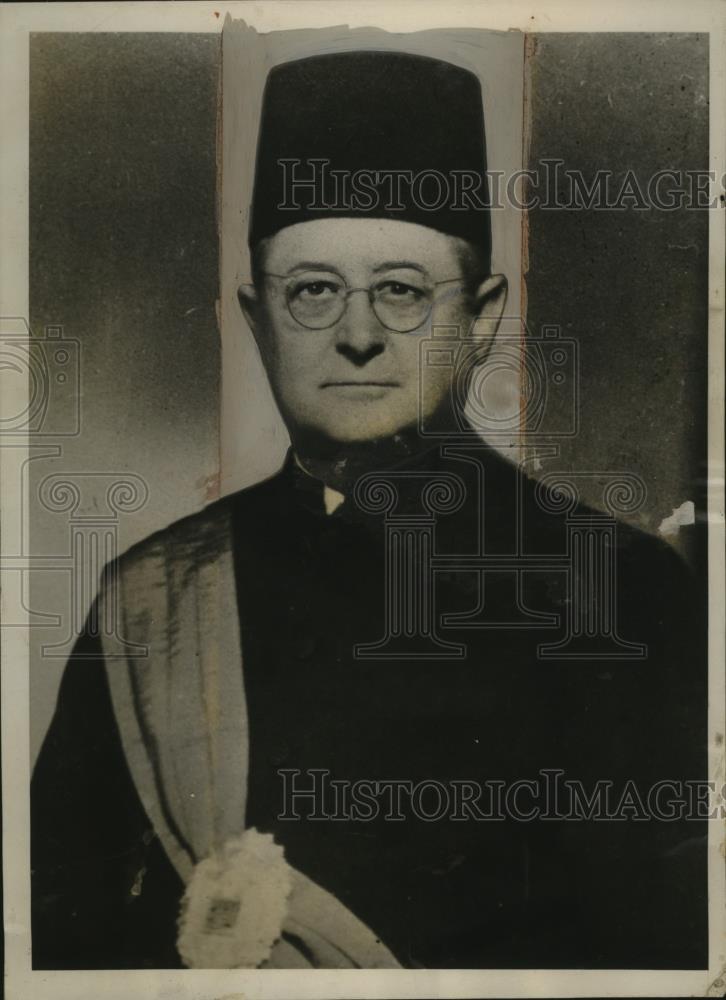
(249, 301)
(489, 301)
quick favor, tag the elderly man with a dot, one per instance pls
(286, 763)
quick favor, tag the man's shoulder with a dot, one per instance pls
(203, 533)
(548, 504)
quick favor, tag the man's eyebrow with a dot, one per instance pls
(313, 265)
(391, 265)
(388, 265)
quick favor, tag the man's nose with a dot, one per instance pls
(360, 336)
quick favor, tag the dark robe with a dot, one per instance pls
(442, 893)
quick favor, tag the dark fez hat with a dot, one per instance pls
(403, 137)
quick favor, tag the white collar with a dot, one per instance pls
(332, 499)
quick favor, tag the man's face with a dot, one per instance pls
(351, 377)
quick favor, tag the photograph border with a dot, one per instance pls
(17, 22)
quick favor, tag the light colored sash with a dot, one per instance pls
(182, 717)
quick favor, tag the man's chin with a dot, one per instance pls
(360, 434)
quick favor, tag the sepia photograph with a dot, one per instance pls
(362, 500)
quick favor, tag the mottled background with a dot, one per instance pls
(629, 286)
(124, 256)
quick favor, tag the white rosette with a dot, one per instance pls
(235, 904)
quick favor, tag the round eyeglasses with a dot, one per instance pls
(318, 300)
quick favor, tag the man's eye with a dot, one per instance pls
(314, 289)
(400, 290)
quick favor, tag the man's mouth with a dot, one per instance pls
(388, 383)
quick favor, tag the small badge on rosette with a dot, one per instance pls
(235, 904)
